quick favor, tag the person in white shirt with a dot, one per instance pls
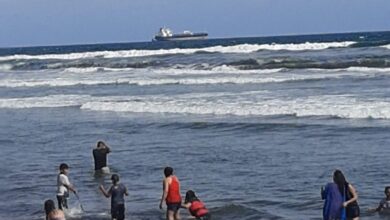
(63, 186)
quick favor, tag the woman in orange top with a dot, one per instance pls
(196, 207)
(171, 194)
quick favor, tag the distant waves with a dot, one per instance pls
(149, 77)
(256, 103)
(242, 48)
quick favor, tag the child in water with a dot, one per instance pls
(384, 204)
(195, 206)
(63, 186)
(117, 192)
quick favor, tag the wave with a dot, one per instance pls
(51, 101)
(99, 64)
(233, 211)
(256, 103)
(218, 75)
(386, 46)
(241, 48)
(310, 63)
(333, 106)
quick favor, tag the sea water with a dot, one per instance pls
(255, 126)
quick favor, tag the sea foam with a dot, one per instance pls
(241, 48)
(255, 103)
(148, 77)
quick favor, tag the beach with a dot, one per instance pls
(255, 126)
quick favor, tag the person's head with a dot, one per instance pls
(49, 206)
(115, 178)
(168, 171)
(387, 191)
(64, 168)
(190, 196)
(100, 144)
(339, 179)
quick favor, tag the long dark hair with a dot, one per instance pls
(190, 197)
(49, 206)
(339, 179)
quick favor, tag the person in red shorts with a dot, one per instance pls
(171, 194)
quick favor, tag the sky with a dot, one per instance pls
(63, 22)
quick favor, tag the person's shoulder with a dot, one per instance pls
(56, 214)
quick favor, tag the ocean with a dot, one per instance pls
(255, 126)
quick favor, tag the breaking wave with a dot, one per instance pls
(241, 48)
(386, 46)
(219, 75)
(258, 103)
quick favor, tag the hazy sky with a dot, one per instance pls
(58, 22)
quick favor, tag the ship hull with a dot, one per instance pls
(178, 37)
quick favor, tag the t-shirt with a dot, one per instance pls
(100, 157)
(384, 204)
(117, 194)
(62, 180)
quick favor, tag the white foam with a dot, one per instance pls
(148, 77)
(5, 67)
(386, 46)
(45, 102)
(242, 48)
(368, 69)
(252, 103)
(239, 79)
(339, 106)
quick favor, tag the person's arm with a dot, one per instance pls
(126, 192)
(186, 205)
(379, 208)
(354, 196)
(165, 192)
(105, 193)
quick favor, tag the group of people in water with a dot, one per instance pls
(340, 197)
(341, 200)
(170, 195)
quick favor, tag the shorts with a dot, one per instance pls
(173, 206)
(62, 202)
(353, 210)
(118, 211)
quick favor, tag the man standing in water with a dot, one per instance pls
(171, 194)
(100, 157)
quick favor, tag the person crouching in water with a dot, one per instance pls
(384, 204)
(195, 206)
(171, 194)
(117, 192)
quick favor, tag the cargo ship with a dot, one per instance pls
(165, 34)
